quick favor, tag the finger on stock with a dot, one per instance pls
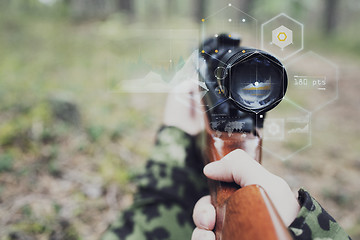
(238, 167)
(204, 214)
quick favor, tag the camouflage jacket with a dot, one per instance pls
(171, 184)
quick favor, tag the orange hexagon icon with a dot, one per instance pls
(282, 36)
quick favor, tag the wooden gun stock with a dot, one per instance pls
(241, 213)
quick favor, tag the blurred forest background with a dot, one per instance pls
(70, 143)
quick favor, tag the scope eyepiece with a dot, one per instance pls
(240, 80)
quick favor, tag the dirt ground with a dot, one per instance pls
(329, 169)
(88, 184)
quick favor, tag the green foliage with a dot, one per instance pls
(44, 51)
(57, 208)
(95, 132)
(26, 210)
(52, 66)
(112, 170)
(6, 162)
(54, 168)
(54, 228)
(337, 195)
(18, 128)
(32, 227)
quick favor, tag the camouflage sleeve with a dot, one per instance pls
(313, 222)
(168, 189)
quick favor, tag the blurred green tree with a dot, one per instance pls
(247, 5)
(200, 9)
(127, 6)
(330, 16)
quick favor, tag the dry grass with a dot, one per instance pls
(60, 177)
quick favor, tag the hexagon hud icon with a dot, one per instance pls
(313, 81)
(287, 131)
(282, 37)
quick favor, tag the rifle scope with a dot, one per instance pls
(243, 83)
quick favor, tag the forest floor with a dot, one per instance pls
(69, 145)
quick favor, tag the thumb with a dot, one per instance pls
(238, 167)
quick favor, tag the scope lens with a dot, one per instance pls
(256, 83)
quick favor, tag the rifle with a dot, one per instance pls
(242, 84)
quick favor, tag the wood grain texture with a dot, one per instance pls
(241, 213)
(249, 215)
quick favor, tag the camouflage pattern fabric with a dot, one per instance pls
(313, 222)
(168, 189)
(173, 181)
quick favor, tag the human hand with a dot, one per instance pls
(240, 168)
(183, 108)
